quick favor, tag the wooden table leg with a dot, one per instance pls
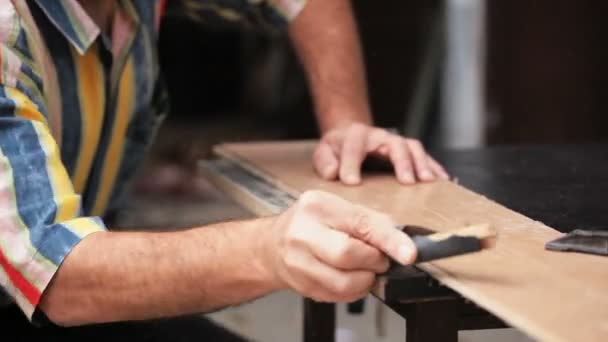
(435, 321)
(319, 321)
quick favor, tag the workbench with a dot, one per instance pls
(561, 186)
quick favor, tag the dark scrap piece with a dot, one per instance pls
(584, 241)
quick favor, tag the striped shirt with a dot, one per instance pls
(77, 112)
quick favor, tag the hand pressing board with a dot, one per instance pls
(550, 296)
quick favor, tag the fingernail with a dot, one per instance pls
(407, 177)
(351, 179)
(405, 255)
(425, 175)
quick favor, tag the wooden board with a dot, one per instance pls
(550, 296)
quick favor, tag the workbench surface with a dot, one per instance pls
(563, 186)
(530, 288)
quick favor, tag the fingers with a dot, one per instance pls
(341, 153)
(420, 160)
(342, 286)
(395, 149)
(438, 169)
(370, 226)
(341, 251)
(325, 161)
(327, 284)
(402, 164)
(330, 250)
(352, 154)
(409, 157)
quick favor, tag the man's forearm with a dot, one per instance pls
(325, 38)
(140, 275)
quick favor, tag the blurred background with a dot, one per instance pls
(453, 73)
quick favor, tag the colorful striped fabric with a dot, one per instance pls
(77, 112)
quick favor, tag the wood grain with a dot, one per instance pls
(549, 295)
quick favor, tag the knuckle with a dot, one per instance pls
(381, 133)
(310, 200)
(398, 145)
(388, 133)
(386, 220)
(297, 237)
(416, 144)
(293, 239)
(361, 224)
(398, 140)
(356, 131)
(342, 254)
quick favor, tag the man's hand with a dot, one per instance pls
(341, 152)
(323, 247)
(330, 250)
(325, 38)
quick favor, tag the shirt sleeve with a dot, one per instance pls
(40, 215)
(287, 10)
(273, 13)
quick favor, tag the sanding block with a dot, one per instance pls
(583, 241)
(432, 246)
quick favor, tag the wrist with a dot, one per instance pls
(265, 254)
(343, 117)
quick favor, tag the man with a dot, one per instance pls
(80, 98)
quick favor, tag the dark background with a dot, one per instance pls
(547, 73)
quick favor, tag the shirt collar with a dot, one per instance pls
(75, 24)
